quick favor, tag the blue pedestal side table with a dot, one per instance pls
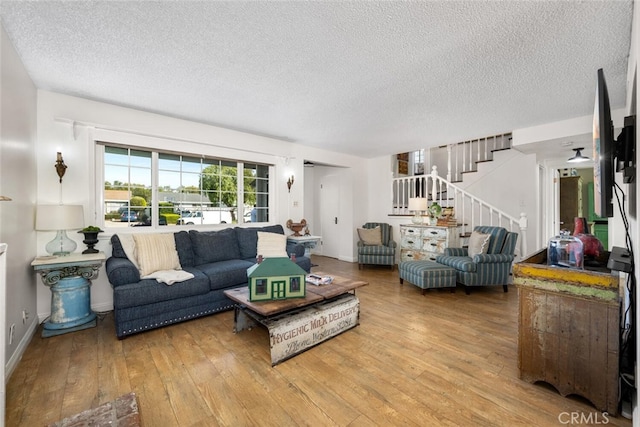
(69, 278)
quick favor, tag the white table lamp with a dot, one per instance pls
(60, 218)
(417, 205)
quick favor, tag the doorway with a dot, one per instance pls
(577, 200)
(330, 215)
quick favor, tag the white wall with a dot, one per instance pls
(510, 183)
(18, 181)
(95, 120)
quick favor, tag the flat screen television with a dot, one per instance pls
(603, 151)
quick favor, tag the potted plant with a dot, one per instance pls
(90, 238)
(435, 210)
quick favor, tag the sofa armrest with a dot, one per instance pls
(492, 258)
(121, 271)
(456, 252)
(295, 248)
(392, 244)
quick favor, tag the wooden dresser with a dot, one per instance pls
(568, 333)
(425, 242)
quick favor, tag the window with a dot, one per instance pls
(418, 162)
(185, 189)
(261, 286)
(294, 285)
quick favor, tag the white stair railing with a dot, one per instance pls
(469, 210)
(463, 157)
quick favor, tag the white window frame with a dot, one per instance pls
(155, 146)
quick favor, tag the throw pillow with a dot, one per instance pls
(156, 252)
(478, 243)
(214, 246)
(370, 236)
(272, 245)
(128, 246)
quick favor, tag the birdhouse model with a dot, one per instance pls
(276, 278)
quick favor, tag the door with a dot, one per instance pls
(278, 289)
(329, 214)
(3, 323)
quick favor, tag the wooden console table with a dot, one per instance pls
(569, 329)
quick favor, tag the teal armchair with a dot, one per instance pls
(384, 254)
(489, 269)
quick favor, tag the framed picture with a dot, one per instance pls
(403, 156)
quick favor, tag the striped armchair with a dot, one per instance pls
(492, 268)
(384, 254)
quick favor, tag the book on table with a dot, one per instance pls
(316, 279)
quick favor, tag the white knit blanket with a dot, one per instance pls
(169, 276)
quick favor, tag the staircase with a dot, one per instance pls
(464, 157)
(469, 210)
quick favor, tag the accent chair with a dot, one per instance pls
(372, 250)
(490, 267)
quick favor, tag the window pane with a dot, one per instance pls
(140, 158)
(127, 188)
(116, 156)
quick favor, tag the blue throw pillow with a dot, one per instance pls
(185, 249)
(214, 246)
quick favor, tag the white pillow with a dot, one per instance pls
(272, 245)
(129, 248)
(156, 252)
(370, 236)
(478, 243)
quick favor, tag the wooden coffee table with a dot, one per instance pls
(297, 324)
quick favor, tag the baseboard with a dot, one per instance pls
(101, 308)
(12, 363)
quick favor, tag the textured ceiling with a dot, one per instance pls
(361, 77)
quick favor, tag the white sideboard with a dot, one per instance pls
(426, 242)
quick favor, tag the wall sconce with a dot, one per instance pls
(61, 168)
(290, 183)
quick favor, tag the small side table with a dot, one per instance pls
(309, 242)
(69, 278)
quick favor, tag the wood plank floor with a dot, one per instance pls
(439, 359)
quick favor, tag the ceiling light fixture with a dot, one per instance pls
(578, 157)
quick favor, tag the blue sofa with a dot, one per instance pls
(218, 260)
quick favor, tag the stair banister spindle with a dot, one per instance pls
(434, 178)
(486, 149)
(478, 146)
(464, 156)
(449, 162)
(457, 160)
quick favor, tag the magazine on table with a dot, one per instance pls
(316, 279)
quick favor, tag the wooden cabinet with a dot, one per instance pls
(568, 334)
(425, 242)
